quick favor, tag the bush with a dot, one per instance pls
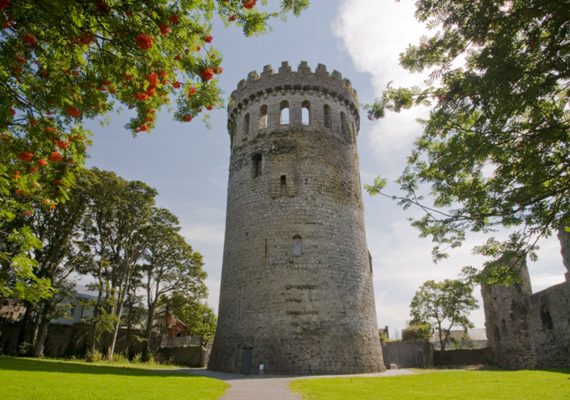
(417, 332)
(94, 356)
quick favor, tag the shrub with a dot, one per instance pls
(417, 332)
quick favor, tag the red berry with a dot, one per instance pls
(61, 144)
(219, 70)
(207, 74)
(55, 156)
(191, 91)
(26, 156)
(73, 112)
(144, 41)
(209, 108)
(141, 96)
(176, 85)
(208, 38)
(42, 162)
(29, 39)
(151, 91)
(174, 19)
(187, 118)
(152, 79)
(249, 4)
(56, 182)
(164, 28)
(142, 128)
(232, 18)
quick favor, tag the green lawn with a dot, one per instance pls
(442, 385)
(33, 379)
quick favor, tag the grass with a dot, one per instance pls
(25, 379)
(442, 385)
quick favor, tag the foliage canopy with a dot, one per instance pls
(63, 62)
(495, 149)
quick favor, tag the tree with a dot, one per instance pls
(417, 332)
(198, 317)
(62, 62)
(495, 148)
(443, 305)
(170, 265)
(56, 229)
(116, 233)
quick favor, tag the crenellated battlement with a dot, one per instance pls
(286, 84)
(285, 78)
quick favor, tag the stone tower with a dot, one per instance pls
(296, 291)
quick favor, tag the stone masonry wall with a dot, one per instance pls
(296, 291)
(526, 330)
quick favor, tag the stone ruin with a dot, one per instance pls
(526, 329)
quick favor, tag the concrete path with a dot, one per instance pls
(272, 387)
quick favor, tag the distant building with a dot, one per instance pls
(462, 339)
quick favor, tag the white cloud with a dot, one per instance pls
(374, 34)
(204, 234)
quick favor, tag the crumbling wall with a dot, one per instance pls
(526, 330)
(550, 326)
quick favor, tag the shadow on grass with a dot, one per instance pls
(70, 367)
(78, 367)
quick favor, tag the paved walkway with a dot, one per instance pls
(268, 387)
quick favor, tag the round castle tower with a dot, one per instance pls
(297, 287)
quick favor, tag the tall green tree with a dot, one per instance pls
(495, 149)
(198, 317)
(443, 305)
(116, 232)
(169, 265)
(62, 62)
(56, 229)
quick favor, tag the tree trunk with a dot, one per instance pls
(564, 238)
(441, 341)
(41, 338)
(111, 348)
(24, 333)
(149, 320)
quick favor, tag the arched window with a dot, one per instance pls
(284, 118)
(306, 113)
(246, 124)
(262, 122)
(283, 185)
(297, 245)
(256, 165)
(327, 116)
(343, 126)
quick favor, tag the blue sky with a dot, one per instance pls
(188, 163)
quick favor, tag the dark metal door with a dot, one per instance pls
(246, 354)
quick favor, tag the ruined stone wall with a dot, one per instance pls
(550, 326)
(526, 330)
(507, 321)
(296, 291)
